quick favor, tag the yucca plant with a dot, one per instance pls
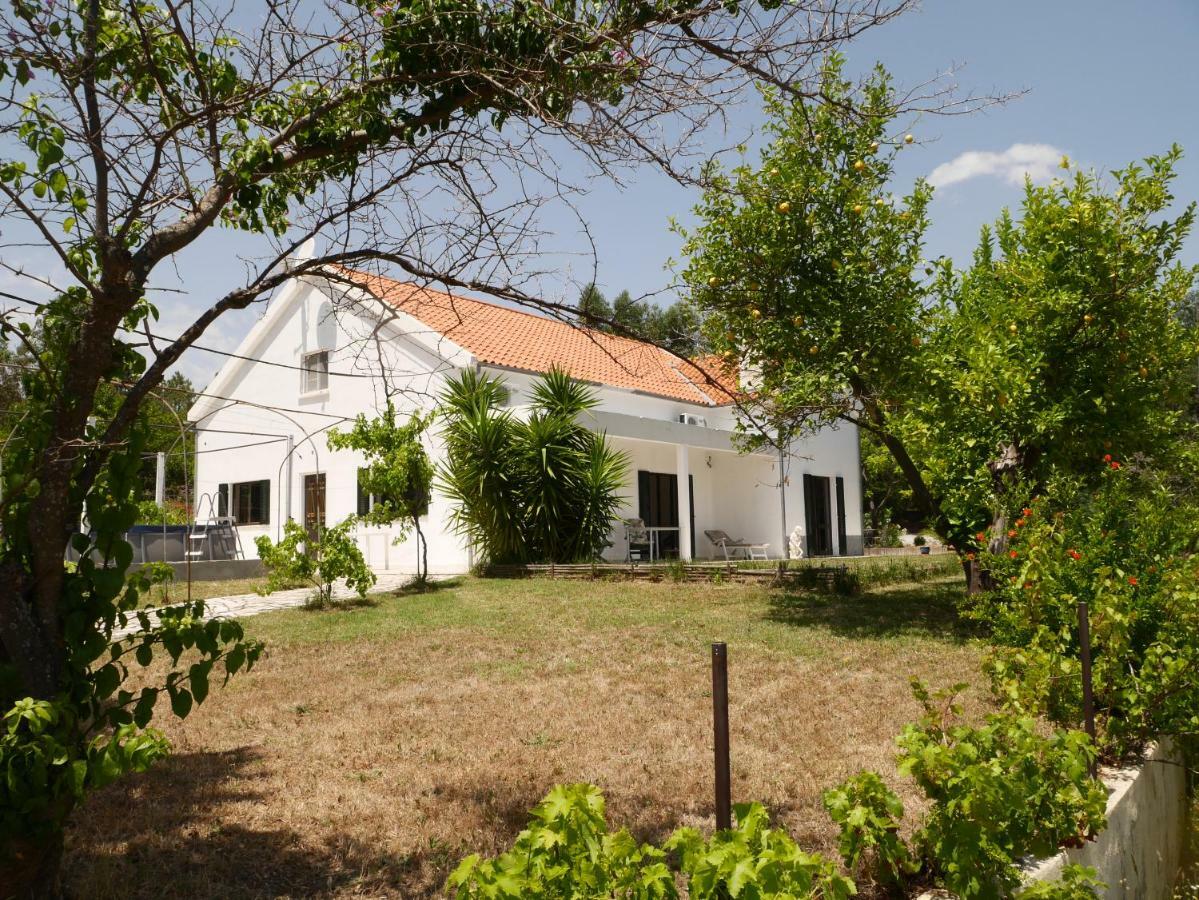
(479, 474)
(545, 488)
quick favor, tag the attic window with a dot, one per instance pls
(316, 372)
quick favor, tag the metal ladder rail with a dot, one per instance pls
(230, 537)
(200, 541)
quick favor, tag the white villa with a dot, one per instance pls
(327, 349)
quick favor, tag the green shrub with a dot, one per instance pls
(1126, 550)
(567, 852)
(754, 861)
(150, 513)
(868, 814)
(1076, 883)
(298, 559)
(920, 540)
(543, 489)
(999, 792)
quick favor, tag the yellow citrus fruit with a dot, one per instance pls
(813, 349)
(784, 207)
(797, 321)
(859, 166)
(907, 138)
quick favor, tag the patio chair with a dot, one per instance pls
(637, 539)
(722, 540)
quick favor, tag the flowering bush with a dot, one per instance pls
(1124, 548)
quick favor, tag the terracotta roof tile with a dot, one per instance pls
(516, 339)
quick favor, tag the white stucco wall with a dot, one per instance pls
(303, 325)
(734, 492)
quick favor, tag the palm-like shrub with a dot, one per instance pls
(545, 488)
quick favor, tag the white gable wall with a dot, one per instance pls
(305, 324)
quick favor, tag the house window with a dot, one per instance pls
(366, 502)
(248, 502)
(316, 372)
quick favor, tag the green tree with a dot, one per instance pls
(804, 267)
(398, 473)
(541, 489)
(676, 327)
(1060, 344)
(629, 314)
(1060, 341)
(886, 494)
(594, 308)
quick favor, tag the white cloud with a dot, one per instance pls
(1037, 161)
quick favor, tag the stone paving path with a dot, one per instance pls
(241, 605)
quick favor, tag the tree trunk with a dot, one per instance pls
(32, 869)
(921, 495)
(422, 565)
(973, 571)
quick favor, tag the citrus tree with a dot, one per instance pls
(810, 271)
(1060, 342)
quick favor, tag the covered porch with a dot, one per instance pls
(686, 480)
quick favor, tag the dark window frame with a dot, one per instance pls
(248, 502)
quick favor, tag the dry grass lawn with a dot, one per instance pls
(376, 746)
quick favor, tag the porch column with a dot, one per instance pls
(682, 468)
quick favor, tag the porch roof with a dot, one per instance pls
(640, 428)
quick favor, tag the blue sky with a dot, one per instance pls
(1106, 82)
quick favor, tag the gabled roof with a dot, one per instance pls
(516, 339)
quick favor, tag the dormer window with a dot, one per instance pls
(316, 372)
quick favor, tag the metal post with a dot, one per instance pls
(285, 493)
(786, 545)
(1088, 688)
(720, 722)
(160, 477)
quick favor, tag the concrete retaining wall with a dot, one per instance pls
(1139, 853)
(218, 570)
